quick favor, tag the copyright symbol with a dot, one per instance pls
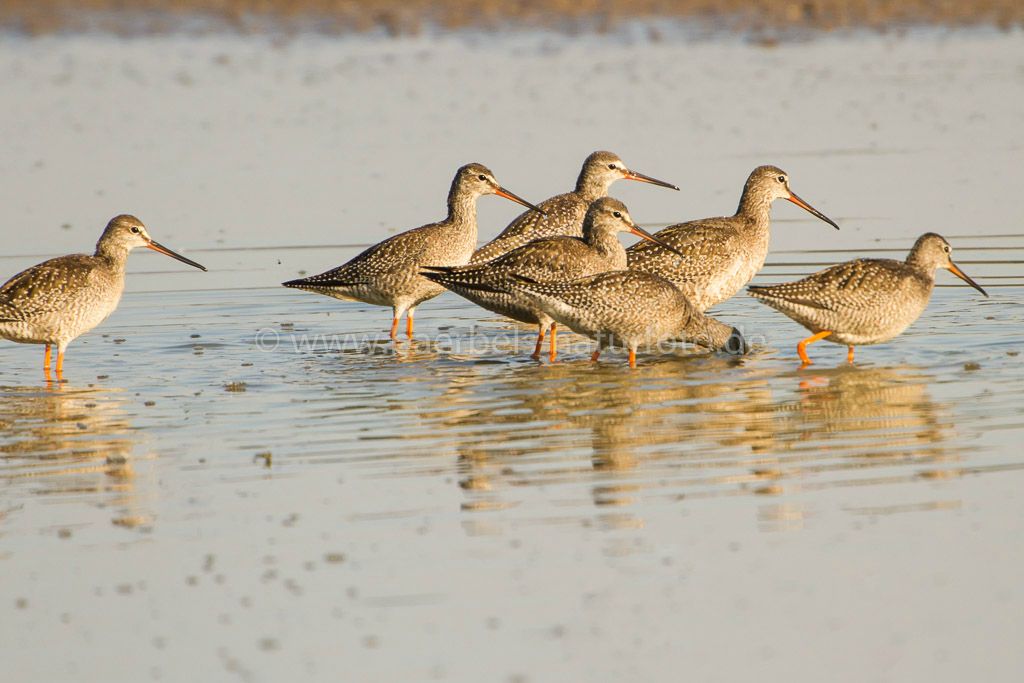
(267, 339)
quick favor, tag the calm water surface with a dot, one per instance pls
(247, 510)
(243, 482)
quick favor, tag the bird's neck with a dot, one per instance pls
(755, 205)
(114, 254)
(607, 244)
(919, 264)
(705, 330)
(592, 186)
(461, 207)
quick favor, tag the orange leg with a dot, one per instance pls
(46, 361)
(536, 349)
(801, 348)
(408, 324)
(595, 355)
(60, 364)
(632, 358)
(554, 342)
(849, 354)
(394, 328)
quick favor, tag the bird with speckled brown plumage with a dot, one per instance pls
(866, 301)
(388, 273)
(631, 309)
(721, 255)
(56, 301)
(557, 258)
(564, 213)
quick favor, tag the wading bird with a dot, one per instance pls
(721, 255)
(631, 309)
(58, 300)
(564, 213)
(866, 301)
(388, 273)
(554, 259)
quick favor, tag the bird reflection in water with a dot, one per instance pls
(74, 443)
(686, 427)
(853, 418)
(620, 433)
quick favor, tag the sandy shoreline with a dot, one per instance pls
(409, 17)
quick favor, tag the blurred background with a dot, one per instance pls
(404, 17)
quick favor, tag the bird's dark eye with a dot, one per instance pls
(611, 166)
(782, 178)
(135, 229)
(617, 214)
(482, 177)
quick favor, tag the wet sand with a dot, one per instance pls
(245, 482)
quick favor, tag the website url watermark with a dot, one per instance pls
(476, 341)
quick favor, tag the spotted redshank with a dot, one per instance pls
(552, 259)
(631, 309)
(58, 300)
(721, 254)
(866, 301)
(564, 213)
(387, 274)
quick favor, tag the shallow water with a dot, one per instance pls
(243, 481)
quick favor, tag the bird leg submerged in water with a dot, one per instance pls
(801, 348)
(540, 342)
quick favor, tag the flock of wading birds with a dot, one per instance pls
(560, 262)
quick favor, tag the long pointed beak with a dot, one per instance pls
(502, 192)
(811, 210)
(633, 175)
(953, 268)
(156, 246)
(640, 232)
